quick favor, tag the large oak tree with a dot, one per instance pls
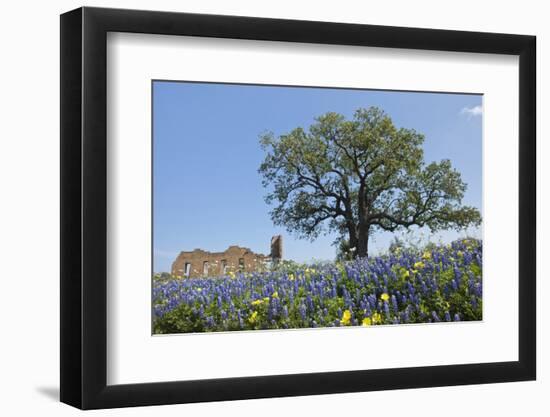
(359, 176)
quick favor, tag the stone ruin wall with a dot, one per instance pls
(201, 263)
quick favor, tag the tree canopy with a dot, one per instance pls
(357, 177)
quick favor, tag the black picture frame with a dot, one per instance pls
(84, 207)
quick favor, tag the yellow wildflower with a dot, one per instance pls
(275, 294)
(406, 274)
(385, 297)
(376, 318)
(346, 318)
(427, 255)
(266, 299)
(367, 321)
(291, 277)
(256, 302)
(253, 317)
(418, 265)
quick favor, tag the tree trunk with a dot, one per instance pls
(353, 241)
(363, 241)
(363, 229)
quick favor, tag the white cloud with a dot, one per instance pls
(472, 111)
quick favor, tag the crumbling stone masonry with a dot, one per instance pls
(201, 263)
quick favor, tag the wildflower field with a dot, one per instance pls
(443, 283)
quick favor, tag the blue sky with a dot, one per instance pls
(207, 191)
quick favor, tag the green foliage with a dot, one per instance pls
(344, 252)
(286, 266)
(359, 176)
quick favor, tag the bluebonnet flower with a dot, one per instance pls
(299, 298)
(394, 304)
(406, 316)
(309, 302)
(477, 290)
(240, 318)
(454, 285)
(424, 287)
(302, 310)
(387, 310)
(457, 272)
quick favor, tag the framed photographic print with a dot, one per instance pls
(257, 207)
